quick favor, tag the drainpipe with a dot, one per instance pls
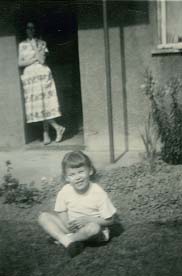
(108, 81)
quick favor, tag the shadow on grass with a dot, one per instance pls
(150, 249)
(115, 230)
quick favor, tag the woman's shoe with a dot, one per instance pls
(47, 139)
(60, 133)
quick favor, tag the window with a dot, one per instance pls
(169, 24)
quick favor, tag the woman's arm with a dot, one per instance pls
(41, 51)
(23, 62)
(25, 55)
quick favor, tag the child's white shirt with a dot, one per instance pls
(95, 202)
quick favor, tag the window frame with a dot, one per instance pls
(162, 28)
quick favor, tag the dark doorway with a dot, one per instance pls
(57, 25)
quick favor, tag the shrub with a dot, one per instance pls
(167, 114)
(23, 195)
(150, 137)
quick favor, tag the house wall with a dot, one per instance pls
(168, 64)
(138, 46)
(11, 119)
(130, 38)
(11, 108)
(93, 78)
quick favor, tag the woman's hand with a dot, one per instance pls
(41, 57)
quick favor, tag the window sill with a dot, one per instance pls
(166, 51)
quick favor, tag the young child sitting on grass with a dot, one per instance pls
(83, 210)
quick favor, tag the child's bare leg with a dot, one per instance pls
(88, 231)
(54, 225)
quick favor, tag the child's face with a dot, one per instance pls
(79, 178)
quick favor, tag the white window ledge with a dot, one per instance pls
(170, 48)
(166, 51)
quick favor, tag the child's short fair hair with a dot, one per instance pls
(76, 159)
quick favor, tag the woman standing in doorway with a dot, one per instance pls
(41, 101)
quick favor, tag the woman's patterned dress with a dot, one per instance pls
(41, 101)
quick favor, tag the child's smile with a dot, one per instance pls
(78, 178)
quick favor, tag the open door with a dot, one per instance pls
(57, 25)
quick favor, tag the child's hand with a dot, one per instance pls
(80, 222)
(72, 225)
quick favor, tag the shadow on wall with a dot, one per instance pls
(119, 12)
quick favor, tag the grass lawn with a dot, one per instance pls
(151, 244)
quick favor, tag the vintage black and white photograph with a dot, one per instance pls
(91, 137)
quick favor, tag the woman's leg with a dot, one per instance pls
(46, 136)
(59, 130)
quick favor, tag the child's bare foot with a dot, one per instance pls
(60, 133)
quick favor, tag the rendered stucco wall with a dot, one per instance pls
(117, 92)
(93, 86)
(11, 119)
(167, 66)
(131, 44)
(138, 47)
(131, 40)
(93, 77)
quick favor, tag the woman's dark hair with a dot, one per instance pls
(76, 159)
